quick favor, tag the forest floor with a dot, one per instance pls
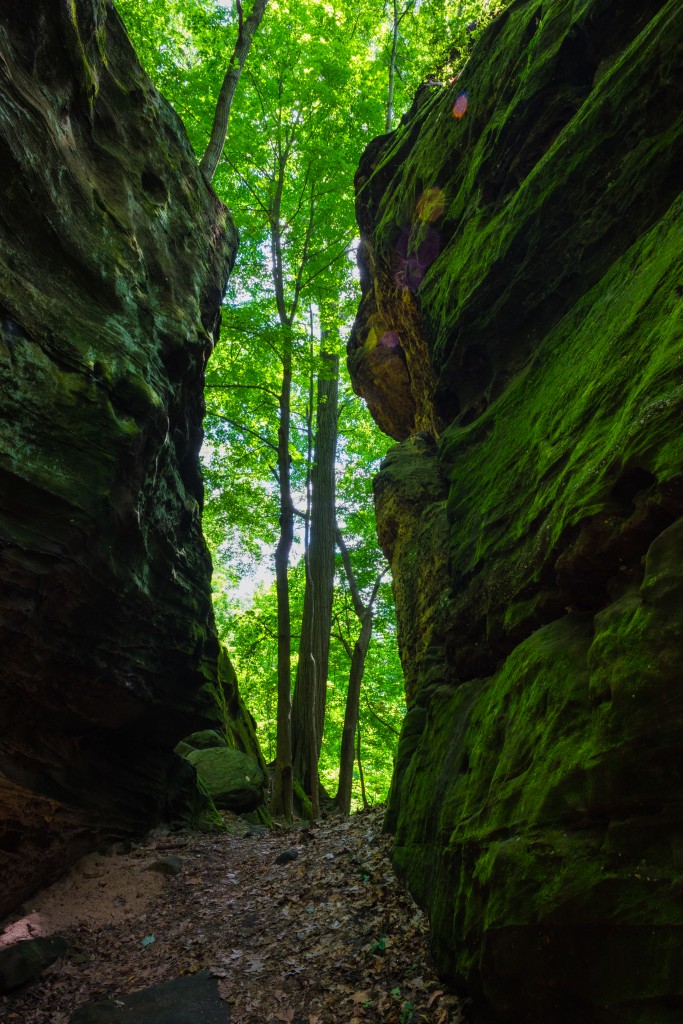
(327, 937)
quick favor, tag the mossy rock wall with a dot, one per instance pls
(521, 266)
(114, 255)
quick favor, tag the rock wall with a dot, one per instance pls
(114, 255)
(520, 334)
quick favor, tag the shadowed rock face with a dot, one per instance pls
(114, 254)
(521, 261)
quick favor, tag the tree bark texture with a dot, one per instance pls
(351, 714)
(308, 713)
(361, 774)
(365, 614)
(219, 129)
(282, 799)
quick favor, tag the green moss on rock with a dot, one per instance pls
(202, 740)
(540, 816)
(537, 798)
(114, 256)
(233, 779)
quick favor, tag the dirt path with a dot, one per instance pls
(328, 937)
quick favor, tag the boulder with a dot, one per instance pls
(189, 1000)
(234, 780)
(203, 740)
(26, 961)
(170, 865)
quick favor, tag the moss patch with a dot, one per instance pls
(541, 818)
(536, 241)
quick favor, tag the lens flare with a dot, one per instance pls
(390, 339)
(460, 106)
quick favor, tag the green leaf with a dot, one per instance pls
(407, 1013)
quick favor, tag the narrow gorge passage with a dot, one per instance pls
(325, 936)
(166, 348)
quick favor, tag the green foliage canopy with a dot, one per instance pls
(312, 95)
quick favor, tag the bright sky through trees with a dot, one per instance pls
(314, 91)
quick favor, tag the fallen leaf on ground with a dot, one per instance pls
(284, 945)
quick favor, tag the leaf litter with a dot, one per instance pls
(326, 937)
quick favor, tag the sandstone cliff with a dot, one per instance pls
(520, 335)
(114, 255)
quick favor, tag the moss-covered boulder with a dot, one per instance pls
(234, 780)
(521, 261)
(202, 740)
(114, 255)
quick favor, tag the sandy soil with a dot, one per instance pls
(99, 890)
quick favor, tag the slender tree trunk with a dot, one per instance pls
(352, 709)
(361, 775)
(395, 25)
(308, 713)
(219, 130)
(282, 800)
(351, 714)
(303, 719)
(310, 441)
(392, 68)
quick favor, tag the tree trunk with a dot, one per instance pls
(352, 710)
(392, 68)
(351, 714)
(395, 25)
(282, 799)
(308, 712)
(219, 130)
(361, 776)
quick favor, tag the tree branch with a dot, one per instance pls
(304, 256)
(247, 430)
(358, 605)
(327, 266)
(246, 387)
(380, 720)
(219, 130)
(342, 640)
(248, 184)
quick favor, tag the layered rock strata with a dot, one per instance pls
(520, 326)
(114, 255)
